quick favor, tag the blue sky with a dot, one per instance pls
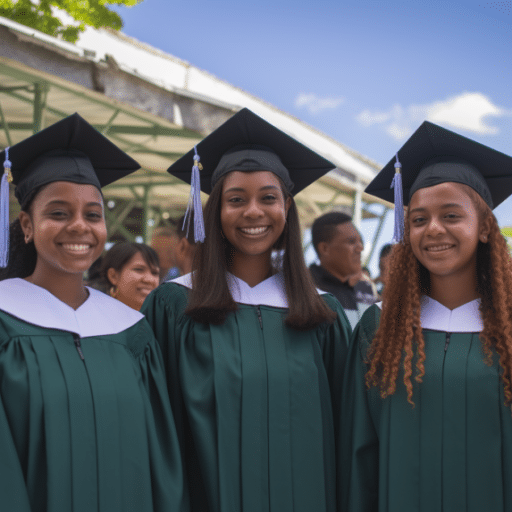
(364, 72)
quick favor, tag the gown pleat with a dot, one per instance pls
(257, 398)
(82, 435)
(451, 452)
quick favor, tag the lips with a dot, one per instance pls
(438, 248)
(255, 231)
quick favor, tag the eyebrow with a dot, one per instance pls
(62, 202)
(447, 205)
(241, 189)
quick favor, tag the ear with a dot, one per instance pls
(113, 276)
(26, 224)
(287, 205)
(323, 249)
(485, 229)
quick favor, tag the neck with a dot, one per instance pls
(453, 291)
(343, 278)
(251, 269)
(68, 288)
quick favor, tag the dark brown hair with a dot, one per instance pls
(121, 253)
(210, 299)
(399, 335)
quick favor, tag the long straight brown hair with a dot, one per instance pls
(210, 300)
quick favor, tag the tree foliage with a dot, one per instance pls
(41, 15)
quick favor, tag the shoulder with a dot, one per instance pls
(170, 294)
(367, 326)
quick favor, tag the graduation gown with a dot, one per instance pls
(254, 400)
(452, 452)
(85, 422)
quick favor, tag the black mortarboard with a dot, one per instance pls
(435, 155)
(247, 142)
(69, 150)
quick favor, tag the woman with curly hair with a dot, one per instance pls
(254, 352)
(428, 420)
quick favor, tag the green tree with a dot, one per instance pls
(39, 15)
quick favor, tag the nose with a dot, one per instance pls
(434, 227)
(253, 210)
(78, 224)
(150, 278)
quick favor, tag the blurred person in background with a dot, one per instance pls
(164, 241)
(130, 271)
(384, 258)
(338, 245)
(186, 247)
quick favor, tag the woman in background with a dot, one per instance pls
(129, 272)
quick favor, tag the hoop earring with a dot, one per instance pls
(113, 291)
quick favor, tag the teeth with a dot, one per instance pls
(254, 231)
(438, 248)
(76, 247)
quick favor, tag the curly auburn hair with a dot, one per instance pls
(399, 334)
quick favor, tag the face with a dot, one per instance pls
(445, 230)
(342, 255)
(253, 212)
(67, 226)
(134, 281)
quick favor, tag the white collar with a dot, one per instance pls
(436, 317)
(99, 315)
(270, 292)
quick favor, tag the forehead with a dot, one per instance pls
(69, 192)
(439, 195)
(345, 231)
(251, 179)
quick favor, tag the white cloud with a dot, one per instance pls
(315, 104)
(469, 111)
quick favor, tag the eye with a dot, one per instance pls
(417, 220)
(57, 214)
(235, 199)
(95, 216)
(452, 216)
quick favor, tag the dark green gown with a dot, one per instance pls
(85, 422)
(253, 400)
(452, 452)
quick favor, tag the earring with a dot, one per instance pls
(28, 239)
(113, 291)
(484, 238)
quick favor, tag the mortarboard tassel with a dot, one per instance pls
(194, 203)
(396, 184)
(4, 211)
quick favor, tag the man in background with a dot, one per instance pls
(164, 241)
(186, 247)
(338, 245)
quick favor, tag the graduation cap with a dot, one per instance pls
(246, 142)
(69, 150)
(435, 155)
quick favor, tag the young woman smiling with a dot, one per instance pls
(428, 423)
(85, 422)
(254, 353)
(130, 272)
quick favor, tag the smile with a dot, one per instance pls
(76, 247)
(438, 248)
(254, 231)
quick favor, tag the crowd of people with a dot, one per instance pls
(223, 374)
